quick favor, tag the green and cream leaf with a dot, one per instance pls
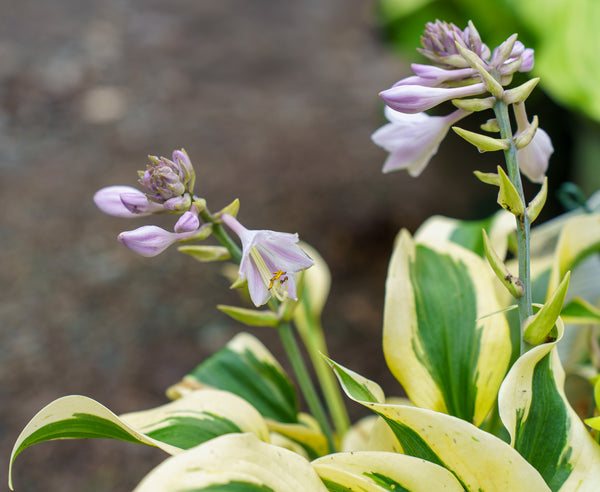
(438, 342)
(234, 463)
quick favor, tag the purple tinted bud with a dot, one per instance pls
(138, 203)
(178, 203)
(527, 60)
(415, 99)
(188, 222)
(151, 240)
(164, 179)
(110, 201)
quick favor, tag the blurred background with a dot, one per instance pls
(275, 103)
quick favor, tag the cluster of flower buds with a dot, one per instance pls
(269, 259)
(462, 67)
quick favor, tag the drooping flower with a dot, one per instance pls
(413, 139)
(534, 158)
(269, 261)
(152, 240)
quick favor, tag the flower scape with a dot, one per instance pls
(473, 318)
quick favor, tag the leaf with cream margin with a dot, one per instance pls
(437, 340)
(579, 237)
(245, 367)
(377, 471)
(234, 463)
(198, 417)
(543, 427)
(479, 460)
(467, 233)
(187, 422)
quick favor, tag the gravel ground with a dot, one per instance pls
(275, 103)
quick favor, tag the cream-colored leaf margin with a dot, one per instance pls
(401, 330)
(481, 461)
(357, 471)
(233, 458)
(515, 398)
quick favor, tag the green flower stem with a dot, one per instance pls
(221, 234)
(285, 333)
(311, 332)
(523, 223)
(306, 386)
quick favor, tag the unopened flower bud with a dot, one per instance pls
(124, 201)
(415, 99)
(533, 159)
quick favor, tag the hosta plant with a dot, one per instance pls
(474, 321)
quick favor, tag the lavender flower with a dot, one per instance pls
(452, 75)
(152, 240)
(269, 261)
(413, 139)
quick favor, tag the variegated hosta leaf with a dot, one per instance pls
(579, 237)
(437, 340)
(234, 463)
(306, 433)
(78, 417)
(373, 471)
(197, 417)
(467, 233)
(543, 426)
(246, 368)
(480, 461)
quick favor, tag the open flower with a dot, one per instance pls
(152, 240)
(413, 139)
(269, 261)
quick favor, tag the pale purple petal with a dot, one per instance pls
(148, 240)
(415, 99)
(108, 200)
(413, 139)
(256, 287)
(533, 159)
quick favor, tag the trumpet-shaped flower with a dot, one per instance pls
(413, 139)
(152, 240)
(269, 261)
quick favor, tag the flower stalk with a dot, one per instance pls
(523, 222)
